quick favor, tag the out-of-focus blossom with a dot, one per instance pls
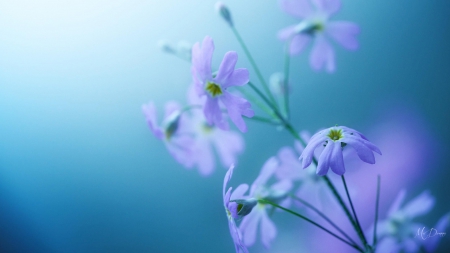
(215, 87)
(260, 190)
(399, 232)
(435, 234)
(316, 26)
(224, 12)
(209, 140)
(173, 131)
(334, 139)
(231, 209)
(183, 49)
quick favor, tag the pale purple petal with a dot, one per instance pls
(365, 142)
(410, 246)
(227, 178)
(171, 107)
(388, 244)
(199, 86)
(238, 77)
(249, 226)
(344, 33)
(207, 51)
(364, 153)
(239, 192)
(181, 149)
(198, 67)
(205, 157)
(328, 6)
(289, 164)
(297, 8)
(237, 107)
(228, 145)
(237, 237)
(397, 202)
(267, 171)
(298, 43)
(308, 154)
(268, 230)
(149, 111)
(420, 205)
(287, 33)
(226, 67)
(213, 114)
(282, 186)
(337, 160)
(324, 159)
(322, 55)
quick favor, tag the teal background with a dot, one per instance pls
(80, 171)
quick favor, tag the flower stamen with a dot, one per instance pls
(213, 89)
(335, 134)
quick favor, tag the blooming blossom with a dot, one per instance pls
(173, 131)
(231, 210)
(334, 139)
(214, 87)
(399, 232)
(316, 26)
(260, 190)
(210, 139)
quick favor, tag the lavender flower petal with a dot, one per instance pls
(397, 203)
(213, 114)
(149, 111)
(344, 33)
(268, 230)
(420, 205)
(249, 227)
(298, 43)
(226, 68)
(237, 107)
(337, 160)
(322, 55)
(296, 8)
(324, 159)
(328, 6)
(362, 150)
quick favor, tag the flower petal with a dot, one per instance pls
(344, 33)
(268, 230)
(228, 145)
(337, 160)
(213, 114)
(432, 243)
(328, 6)
(204, 157)
(420, 205)
(207, 51)
(239, 192)
(267, 171)
(227, 178)
(237, 107)
(226, 67)
(397, 203)
(308, 153)
(324, 159)
(296, 8)
(249, 226)
(322, 55)
(238, 77)
(298, 43)
(287, 32)
(149, 111)
(364, 153)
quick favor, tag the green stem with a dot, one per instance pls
(264, 201)
(374, 242)
(255, 67)
(265, 120)
(287, 59)
(325, 218)
(358, 225)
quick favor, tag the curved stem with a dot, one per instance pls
(264, 201)
(324, 217)
(374, 242)
(287, 59)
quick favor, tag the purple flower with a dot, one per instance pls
(214, 87)
(173, 131)
(334, 139)
(231, 210)
(432, 242)
(260, 190)
(316, 26)
(210, 139)
(399, 232)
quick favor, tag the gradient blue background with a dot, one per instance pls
(80, 171)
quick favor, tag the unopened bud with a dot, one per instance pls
(165, 47)
(277, 85)
(224, 12)
(171, 124)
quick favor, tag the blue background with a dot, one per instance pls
(80, 171)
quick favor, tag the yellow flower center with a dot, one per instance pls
(335, 134)
(213, 89)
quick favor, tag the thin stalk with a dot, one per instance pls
(265, 120)
(287, 59)
(325, 218)
(358, 229)
(374, 242)
(264, 201)
(255, 67)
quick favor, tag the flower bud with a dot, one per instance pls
(171, 124)
(241, 207)
(224, 12)
(165, 47)
(277, 85)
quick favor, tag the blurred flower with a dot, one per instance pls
(174, 131)
(399, 232)
(431, 243)
(259, 190)
(215, 88)
(182, 50)
(231, 210)
(334, 139)
(209, 140)
(315, 25)
(222, 9)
